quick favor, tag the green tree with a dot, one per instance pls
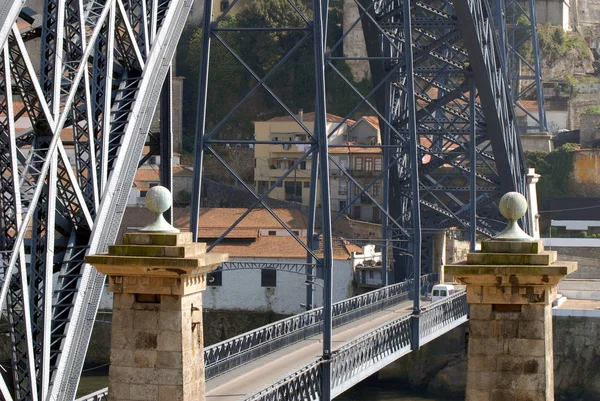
(554, 168)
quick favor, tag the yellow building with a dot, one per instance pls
(272, 161)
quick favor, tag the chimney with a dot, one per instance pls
(301, 115)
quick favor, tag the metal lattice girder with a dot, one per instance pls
(66, 177)
(437, 82)
(519, 49)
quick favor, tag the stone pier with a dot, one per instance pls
(511, 284)
(157, 349)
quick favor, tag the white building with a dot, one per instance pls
(259, 238)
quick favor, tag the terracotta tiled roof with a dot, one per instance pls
(181, 171)
(354, 150)
(146, 174)
(274, 247)
(235, 233)
(373, 120)
(256, 246)
(331, 118)
(258, 218)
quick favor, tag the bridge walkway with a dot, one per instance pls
(248, 379)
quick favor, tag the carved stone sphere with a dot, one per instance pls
(158, 199)
(513, 205)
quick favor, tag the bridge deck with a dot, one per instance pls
(254, 376)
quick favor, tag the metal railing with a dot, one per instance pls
(368, 353)
(356, 360)
(100, 395)
(302, 385)
(229, 354)
(440, 314)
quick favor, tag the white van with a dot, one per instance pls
(440, 291)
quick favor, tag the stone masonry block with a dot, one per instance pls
(144, 358)
(122, 319)
(170, 303)
(512, 246)
(169, 321)
(170, 393)
(120, 339)
(146, 340)
(168, 359)
(479, 329)
(478, 363)
(526, 347)
(506, 328)
(487, 347)
(477, 395)
(145, 319)
(146, 392)
(480, 312)
(170, 376)
(165, 239)
(530, 396)
(480, 380)
(122, 358)
(502, 395)
(533, 312)
(532, 329)
(169, 341)
(118, 391)
(520, 364)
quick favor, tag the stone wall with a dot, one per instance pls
(354, 42)
(577, 107)
(589, 129)
(440, 367)
(584, 180)
(588, 260)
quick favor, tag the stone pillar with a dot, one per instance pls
(532, 180)
(156, 349)
(511, 284)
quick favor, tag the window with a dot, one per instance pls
(224, 5)
(303, 166)
(378, 164)
(371, 275)
(343, 189)
(272, 233)
(368, 164)
(342, 205)
(356, 190)
(358, 163)
(376, 189)
(215, 279)
(278, 185)
(268, 278)
(291, 164)
(306, 184)
(143, 194)
(343, 163)
(286, 146)
(154, 184)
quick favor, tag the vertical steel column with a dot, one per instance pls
(321, 134)
(473, 166)
(386, 182)
(537, 61)
(414, 173)
(201, 118)
(166, 139)
(311, 274)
